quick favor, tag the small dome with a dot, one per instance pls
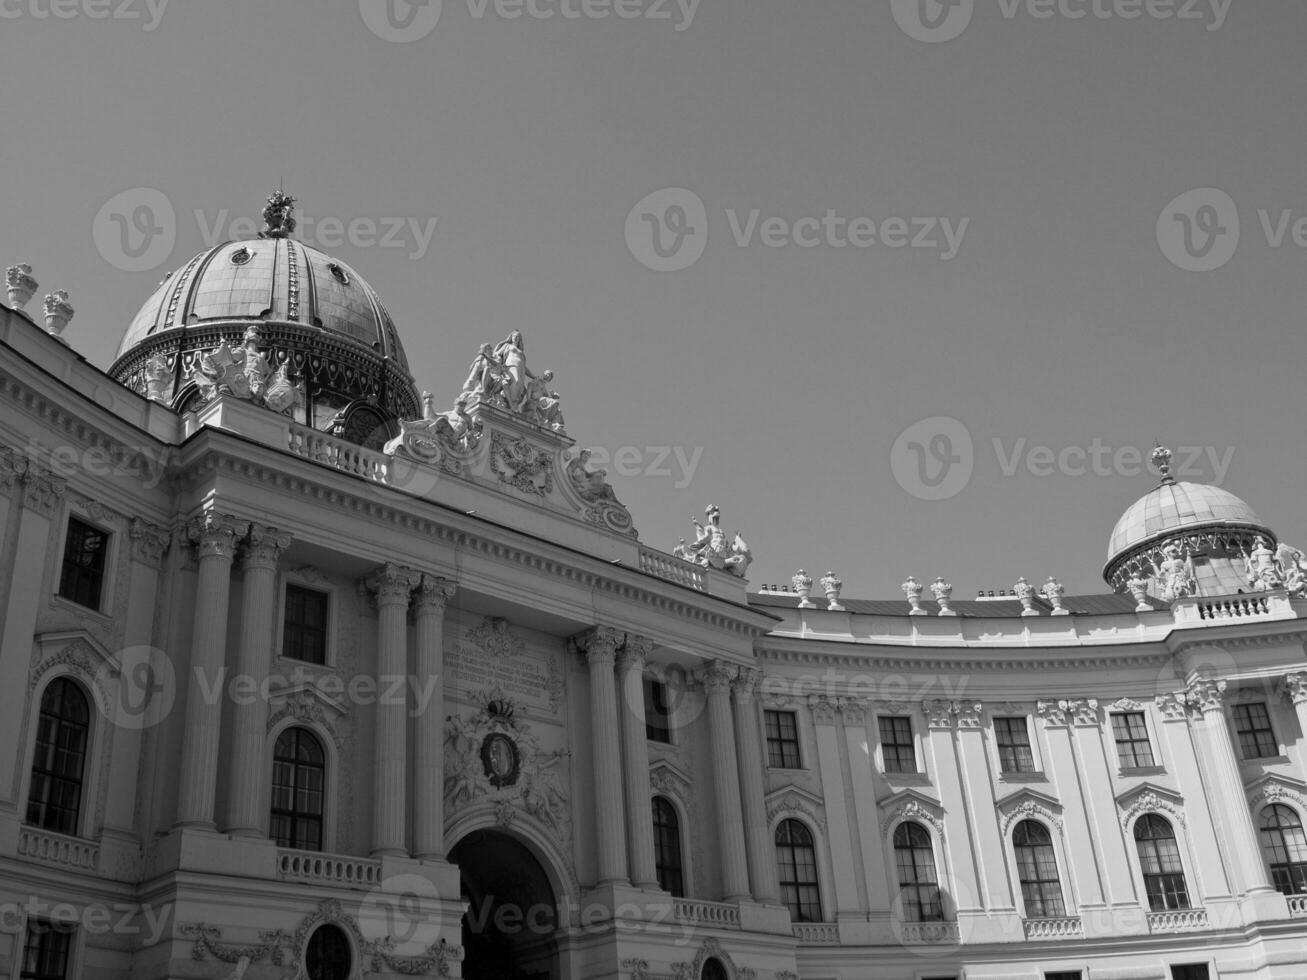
(1172, 507)
(268, 279)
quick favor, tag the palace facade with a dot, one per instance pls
(302, 677)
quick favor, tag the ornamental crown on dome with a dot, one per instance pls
(277, 215)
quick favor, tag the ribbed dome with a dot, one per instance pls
(274, 279)
(1172, 507)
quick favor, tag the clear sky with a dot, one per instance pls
(787, 359)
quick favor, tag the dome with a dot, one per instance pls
(1172, 507)
(276, 279)
(280, 306)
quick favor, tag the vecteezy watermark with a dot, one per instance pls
(136, 230)
(359, 689)
(150, 11)
(668, 230)
(94, 918)
(140, 463)
(403, 21)
(936, 21)
(934, 459)
(656, 462)
(1200, 230)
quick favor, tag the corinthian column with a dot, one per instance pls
(600, 647)
(748, 742)
(635, 761)
(216, 536)
(247, 806)
(1295, 686)
(428, 741)
(1229, 800)
(392, 585)
(716, 678)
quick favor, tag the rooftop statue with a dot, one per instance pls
(1175, 575)
(499, 377)
(244, 373)
(1264, 572)
(711, 549)
(277, 216)
(1294, 568)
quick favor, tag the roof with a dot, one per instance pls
(1110, 604)
(1170, 507)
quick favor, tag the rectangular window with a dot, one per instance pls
(305, 636)
(1190, 971)
(82, 576)
(657, 716)
(46, 950)
(896, 744)
(1133, 750)
(1013, 738)
(1064, 975)
(1253, 726)
(782, 740)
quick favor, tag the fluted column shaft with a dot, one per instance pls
(216, 538)
(635, 761)
(392, 585)
(428, 740)
(1208, 697)
(716, 678)
(247, 806)
(757, 839)
(1295, 686)
(600, 646)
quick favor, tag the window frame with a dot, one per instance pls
(327, 826)
(911, 745)
(1205, 965)
(311, 584)
(902, 887)
(1067, 910)
(72, 962)
(108, 582)
(1256, 733)
(817, 872)
(1147, 876)
(649, 687)
(1146, 741)
(681, 849)
(782, 740)
(1291, 866)
(92, 786)
(1036, 763)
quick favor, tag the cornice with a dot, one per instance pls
(989, 660)
(1226, 640)
(406, 514)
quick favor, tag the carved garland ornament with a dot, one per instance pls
(912, 810)
(1150, 802)
(1027, 809)
(793, 805)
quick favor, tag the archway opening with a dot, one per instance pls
(512, 916)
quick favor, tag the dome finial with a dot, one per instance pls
(1162, 460)
(277, 215)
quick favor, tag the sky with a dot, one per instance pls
(903, 287)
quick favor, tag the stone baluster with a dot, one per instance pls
(600, 648)
(760, 851)
(393, 585)
(635, 760)
(716, 678)
(216, 537)
(428, 726)
(247, 801)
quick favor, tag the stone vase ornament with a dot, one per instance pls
(943, 593)
(1053, 591)
(802, 583)
(832, 586)
(22, 287)
(58, 311)
(1026, 593)
(1139, 590)
(912, 589)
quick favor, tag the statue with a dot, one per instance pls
(1294, 569)
(1175, 575)
(682, 552)
(543, 404)
(484, 376)
(277, 216)
(711, 549)
(158, 379)
(499, 377)
(591, 485)
(1263, 570)
(511, 353)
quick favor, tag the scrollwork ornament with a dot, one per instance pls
(1295, 685)
(392, 584)
(433, 593)
(215, 535)
(1206, 695)
(264, 546)
(968, 713)
(599, 644)
(939, 713)
(1172, 706)
(1053, 713)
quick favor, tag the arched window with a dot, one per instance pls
(796, 864)
(1037, 868)
(54, 800)
(1285, 848)
(667, 847)
(918, 882)
(328, 956)
(1159, 856)
(713, 970)
(298, 773)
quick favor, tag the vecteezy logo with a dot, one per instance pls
(933, 21)
(1199, 230)
(933, 459)
(668, 230)
(402, 910)
(136, 229)
(144, 689)
(400, 20)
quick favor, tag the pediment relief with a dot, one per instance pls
(794, 801)
(911, 805)
(1029, 803)
(1275, 788)
(1150, 798)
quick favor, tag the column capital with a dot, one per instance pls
(42, 489)
(393, 584)
(1295, 685)
(716, 676)
(1206, 695)
(432, 593)
(745, 685)
(635, 653)
(939, 713)
(1083, 712)
(1172, 706)
(264, 545)
(1054, 713)
(968, 713)
(149, 541)
(599, 644)
(216, 535)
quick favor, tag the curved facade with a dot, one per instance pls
(276, 704)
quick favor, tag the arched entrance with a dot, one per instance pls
(508, 929)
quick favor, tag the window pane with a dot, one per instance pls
(82, 574)
(304, 635)
(782, 739)
(796, 865)
(298, 779)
